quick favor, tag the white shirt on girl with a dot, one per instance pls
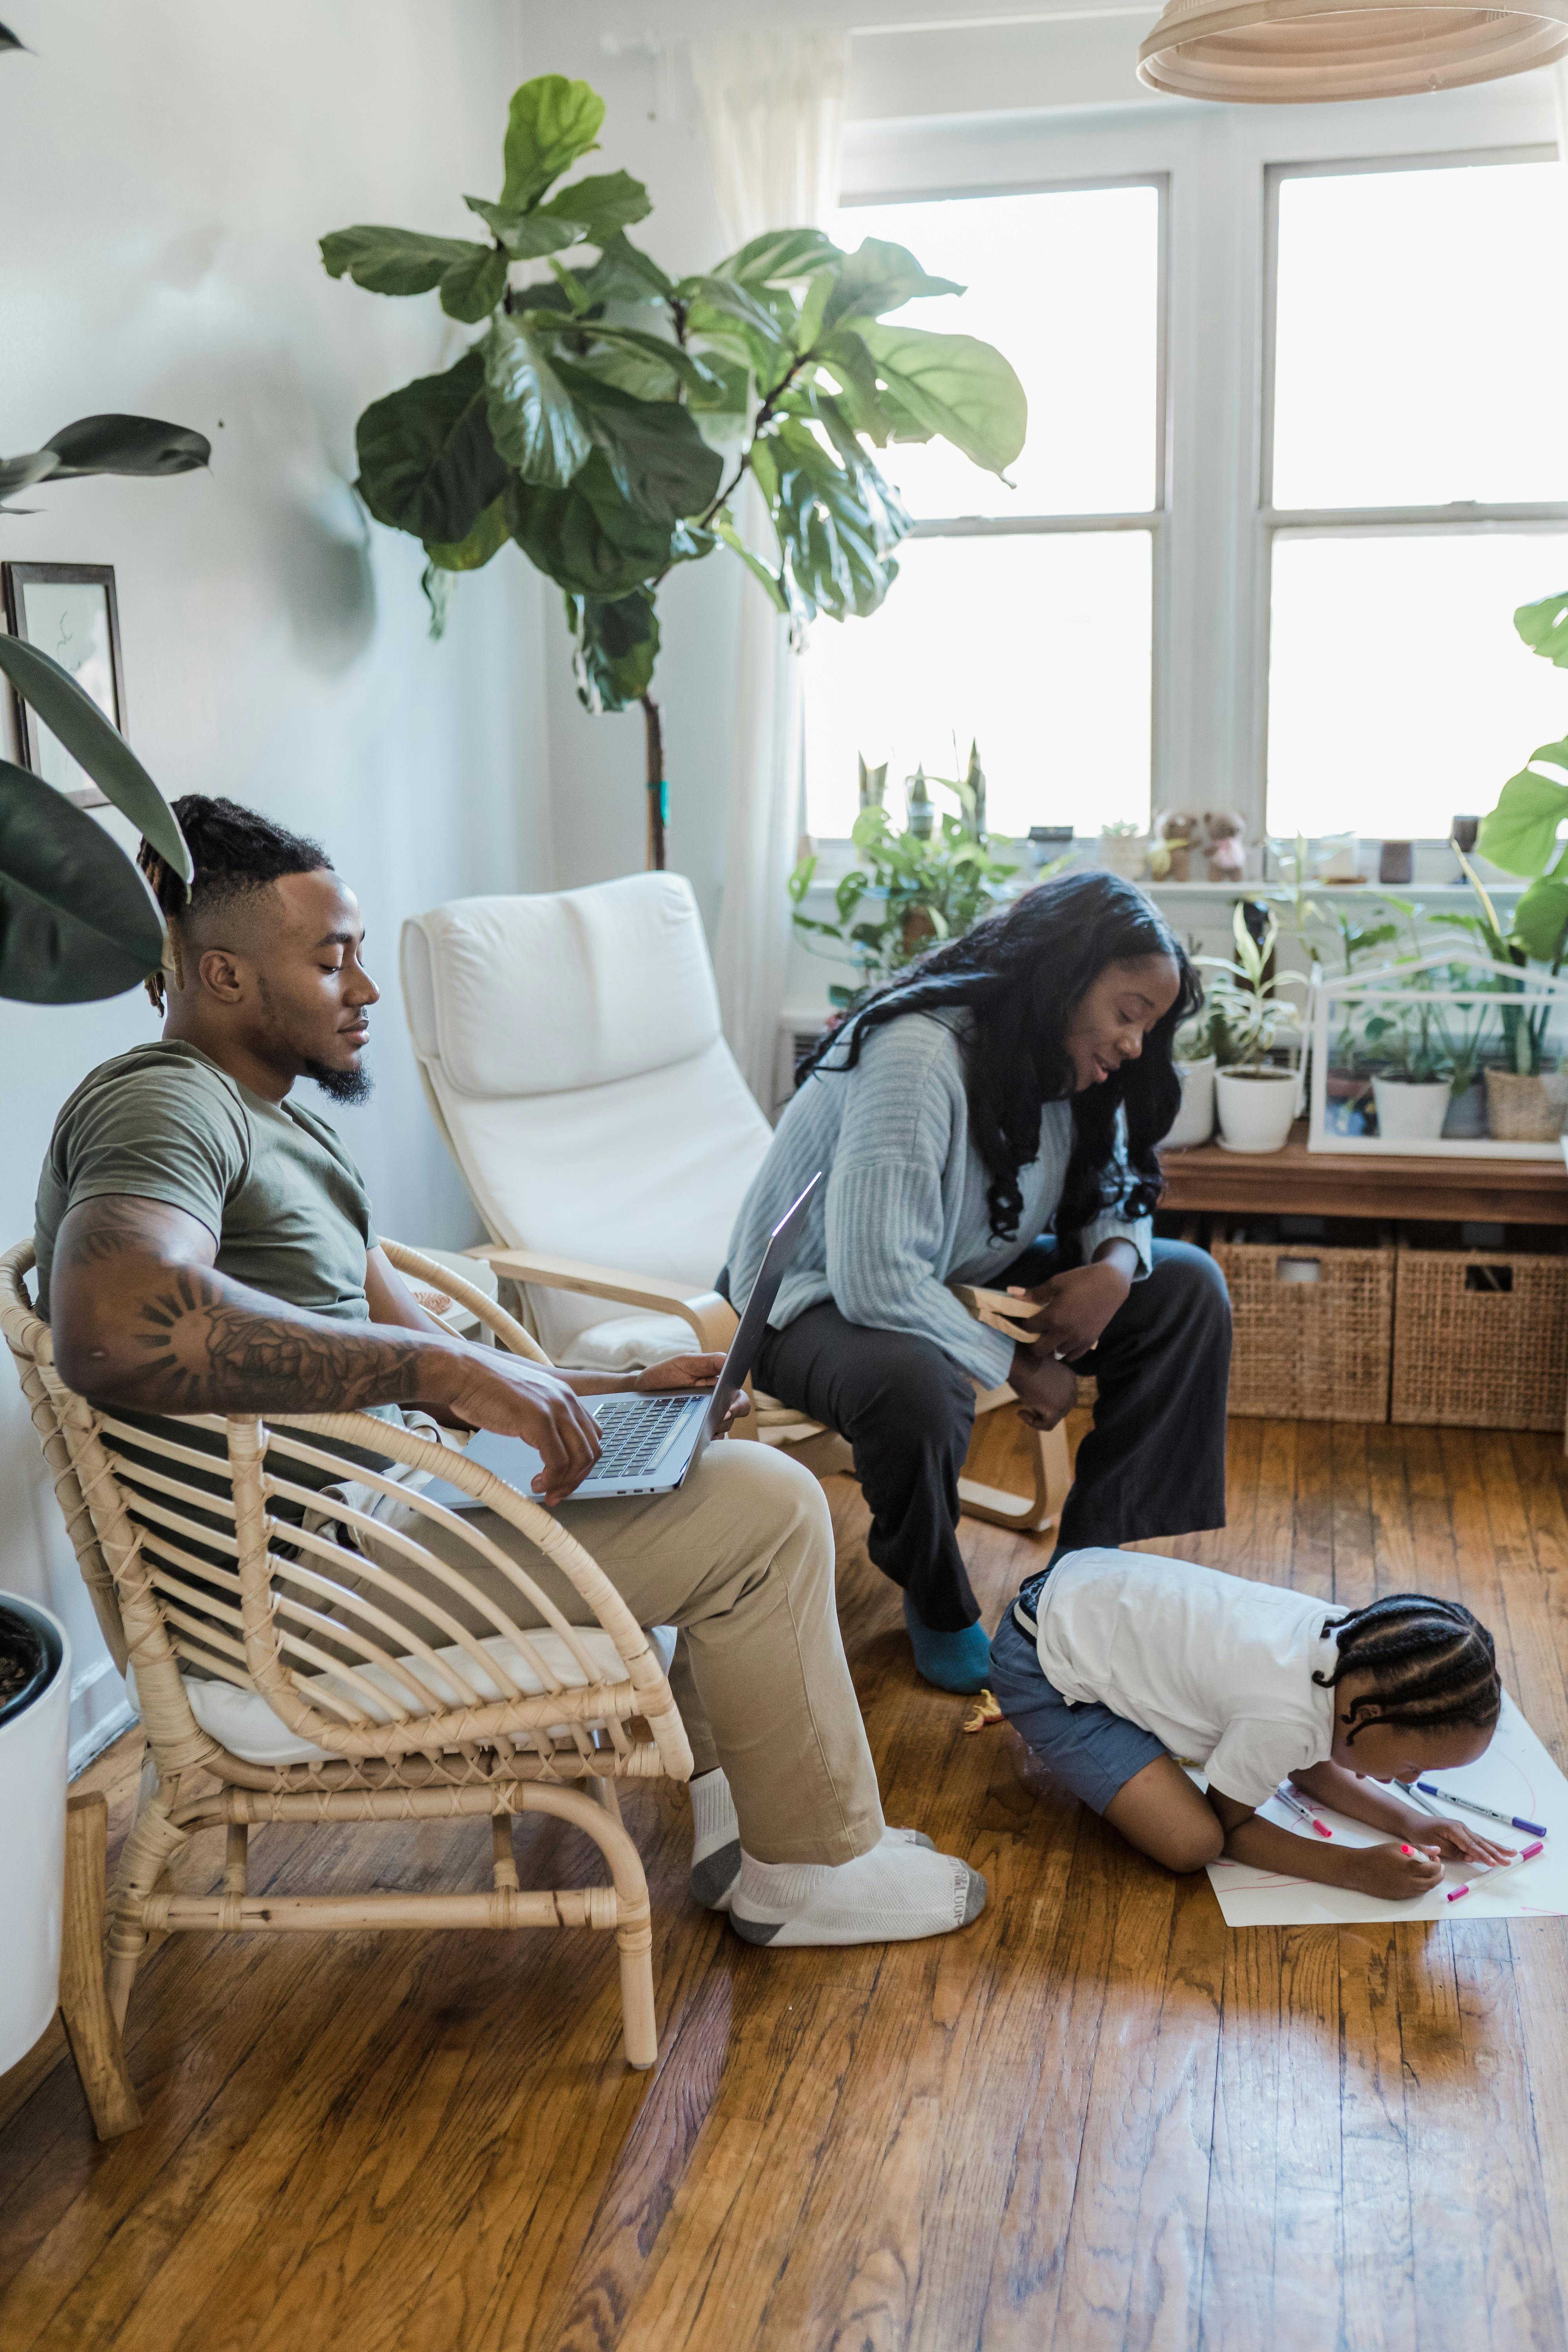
(1218, 1668)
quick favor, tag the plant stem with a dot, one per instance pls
(657, 790)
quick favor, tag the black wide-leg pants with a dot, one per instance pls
(1153, 1465)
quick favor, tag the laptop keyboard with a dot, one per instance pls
(635, 1433)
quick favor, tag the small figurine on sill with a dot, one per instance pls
(1170, 852)
(1225, 844)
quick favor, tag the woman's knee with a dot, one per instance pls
(1195, 1287)
(921, 1401)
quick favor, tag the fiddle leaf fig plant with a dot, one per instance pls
(606, 415)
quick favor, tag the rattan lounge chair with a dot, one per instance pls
(272, 1690)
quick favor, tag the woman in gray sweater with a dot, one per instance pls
(1011, 1084)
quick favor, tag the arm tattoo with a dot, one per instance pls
(205, 1352)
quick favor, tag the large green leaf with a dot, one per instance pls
(604, 202)
(772, 586)
(623, 273)
(427, 464)
(664, 362)
(1540, 919)
(954, 385)
(127, 445)
(487, 536)
(876, 278)
(471, 289)
(75, 720)
(657, 456)
(393, 260)
(729, 314)
(587, 538)
(8, 40)
(551, 122)
(527, 236)
(533, 418)
(837, 552)
(616, 646)
(872, 408)
(1543, 625)
(780, 255)
(17, 473)
(76, 920)
(1520, 834)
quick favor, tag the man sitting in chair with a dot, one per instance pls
(204, 1245)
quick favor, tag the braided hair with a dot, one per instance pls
(1019, 974)
(1431, 1664)
(235, 852)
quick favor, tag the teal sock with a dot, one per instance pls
(953, 1662)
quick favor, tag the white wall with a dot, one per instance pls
(169, 168)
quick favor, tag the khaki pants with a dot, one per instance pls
(741, 1561)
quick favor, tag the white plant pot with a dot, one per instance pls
(1256, 1109)
(1411, 1111)
(1195, 1120)
(32, 1750)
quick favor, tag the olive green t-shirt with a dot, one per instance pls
(271, 1181)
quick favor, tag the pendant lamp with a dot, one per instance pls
(1291, 52)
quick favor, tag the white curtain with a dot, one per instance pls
(774, 106)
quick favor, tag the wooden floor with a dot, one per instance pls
(1096, 2119)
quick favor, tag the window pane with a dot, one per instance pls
(1419, 339)
(1067, 285)
(1399, 695)
(1037, 647)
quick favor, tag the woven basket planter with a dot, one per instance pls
(1481, 1339)
(1313, 1326)
(1525, 1110)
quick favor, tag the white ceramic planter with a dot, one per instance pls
(1195, 1120)
(1411, 1111)
(1256, 1109)
(32, 1846)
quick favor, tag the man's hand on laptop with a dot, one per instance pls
(517, 1398)
(691, 1373)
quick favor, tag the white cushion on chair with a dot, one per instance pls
(244, 1723)
(625, 1343)
(544, 995)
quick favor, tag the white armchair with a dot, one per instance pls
(571, 1054)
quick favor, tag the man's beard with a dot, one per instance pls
(343, 1085)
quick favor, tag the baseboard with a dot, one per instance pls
(97, 1713)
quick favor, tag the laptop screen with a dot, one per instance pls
(783, 1242)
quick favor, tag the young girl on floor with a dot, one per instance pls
(1114, 1664)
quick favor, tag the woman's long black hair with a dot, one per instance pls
(1019, 975)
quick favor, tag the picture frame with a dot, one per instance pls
(71, 611)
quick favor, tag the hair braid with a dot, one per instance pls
(173, 897)
(1433, 1664)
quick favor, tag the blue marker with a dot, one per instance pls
(1468, 1805)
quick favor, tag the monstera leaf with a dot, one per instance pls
(1543, 625)
(1520, 834)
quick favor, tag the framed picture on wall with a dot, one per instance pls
(68, 610)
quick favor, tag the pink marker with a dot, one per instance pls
(1289, 1799)
(1526, 1853)
(1456, 1894)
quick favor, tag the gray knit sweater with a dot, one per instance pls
(901, 1212)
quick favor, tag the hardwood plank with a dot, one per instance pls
(1165, 2304)
(1237, 2312)
(1376, 2261)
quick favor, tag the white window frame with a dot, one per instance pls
(1456, 519)
(1212, 531)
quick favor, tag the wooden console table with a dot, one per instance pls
(1297, 1182)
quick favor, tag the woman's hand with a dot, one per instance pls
(1047, 1390)
(1398, 1871)
(1073, 1309)
(691, 1373)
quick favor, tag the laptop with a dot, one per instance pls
(649, 1442)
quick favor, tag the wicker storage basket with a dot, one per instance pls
(1481, 1339)
(1312, 1325)
(1523, 1109)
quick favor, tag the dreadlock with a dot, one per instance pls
(235, 852)
(1431, 1664)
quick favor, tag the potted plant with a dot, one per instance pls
(34, 1698)
(1412, 1082)
(1246, 1016)
(1123, 849)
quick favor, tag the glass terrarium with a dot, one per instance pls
(1447, 1053)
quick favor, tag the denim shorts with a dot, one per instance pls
(1094, 1751)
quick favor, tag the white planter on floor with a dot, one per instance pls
(1256, 1109)
(1411, 1111)
(1195, 1120)
(33, 1749)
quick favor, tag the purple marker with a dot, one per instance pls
(1468, 1805)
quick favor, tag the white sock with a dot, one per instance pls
(893, 1895)
(716, 1841)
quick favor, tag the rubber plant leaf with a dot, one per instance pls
(605, 202)
(550, 123)
(127, 445)
(1520, 834)
(1543, 625)
(76, 920)
(75, 720)
(658, 460)
(954, 385)
(534, 420)
(876, 278)
(393, 260)
(427, 464)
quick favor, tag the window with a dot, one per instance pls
(1023, 617)
(1415, 487)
